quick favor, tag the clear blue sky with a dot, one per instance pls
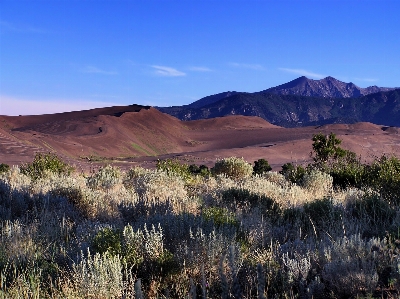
(71, 55)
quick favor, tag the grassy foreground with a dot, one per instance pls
(326, 230)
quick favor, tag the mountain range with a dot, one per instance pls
(328, 87)
(301, 102)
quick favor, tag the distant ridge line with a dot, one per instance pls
(328, 87)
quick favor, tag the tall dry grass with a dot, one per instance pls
(155, 234)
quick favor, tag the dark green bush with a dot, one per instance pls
(347, 171)
(107, 240)
(220, 216)
(4, 167)
(315, 217)
(383, 176)
(343, 165)
(193, 168)
(348, 175)
(293, 173)
(243, 197)
(43, 163)
(202, 170)
(174, 167)
(261, 166)
(322, 212)
(166, 264)
(375, 211)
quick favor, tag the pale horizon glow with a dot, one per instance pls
(16, 106)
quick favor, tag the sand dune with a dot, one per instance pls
(136, 135)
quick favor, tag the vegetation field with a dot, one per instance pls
(330, 229)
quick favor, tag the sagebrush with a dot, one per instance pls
(179, 233)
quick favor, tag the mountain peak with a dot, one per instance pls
(302, 78)
(328, 87)
(294, 83)
(330, 78)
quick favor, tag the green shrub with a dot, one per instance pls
(383, 176)
(164, 265)
(132, 243)
(243, 197)
(261, 166)
(220, 216)
(347, 171)
(343, 165)
(174, 167)
(316, 217)
(107, 240)
(144, 251)
(199, 170)
(374, 211)
(347, 175)
(322, 212)
(293, 173)
(236, 168)
(4, 167)
(43, 163)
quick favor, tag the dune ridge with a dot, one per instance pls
(139, 135)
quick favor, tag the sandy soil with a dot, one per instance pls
(134, 135)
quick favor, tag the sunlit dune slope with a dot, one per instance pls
(136, 135)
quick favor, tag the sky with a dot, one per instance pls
(69, 55)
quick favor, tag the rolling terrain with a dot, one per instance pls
(138, 135)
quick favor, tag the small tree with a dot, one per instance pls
(261, 166)
(326, 147)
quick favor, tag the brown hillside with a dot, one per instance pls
(230, 122)
(136, 135)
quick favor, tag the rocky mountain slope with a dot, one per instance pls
(302, 102)
(328, 87)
